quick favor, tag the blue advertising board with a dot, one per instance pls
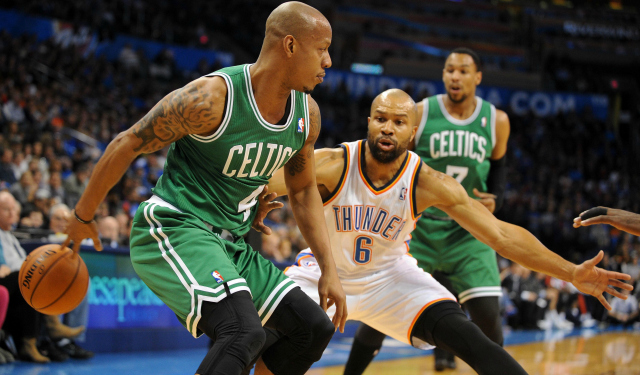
(519, 102)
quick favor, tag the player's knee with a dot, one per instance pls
(322, 332)
(485, 313)
(254, 339)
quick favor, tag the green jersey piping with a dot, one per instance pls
(256, 111)
(456, 121)
(227, 116)
(423, 120)
(493, 126)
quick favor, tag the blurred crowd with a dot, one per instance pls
(59, 109)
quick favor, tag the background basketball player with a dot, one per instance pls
(465, 137)
(374, 191)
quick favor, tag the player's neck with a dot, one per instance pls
(269, 90)
(462, 110)
(380, 173)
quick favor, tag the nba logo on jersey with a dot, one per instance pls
(216, 275)
(403, 194)
(300, 125)
(483, 122)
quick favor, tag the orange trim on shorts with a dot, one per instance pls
(420, 313)
(374, 191)
(286, 269)
(306, 256)
(344, 176)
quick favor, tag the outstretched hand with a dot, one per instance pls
(77, 231)
(621, 219)
(266, 203)
(487, 199)
(592, 280)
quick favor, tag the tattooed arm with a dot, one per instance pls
(196, 108)
(300, 178)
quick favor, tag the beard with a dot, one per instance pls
(462, 98)
(308, 90)
(382, 156)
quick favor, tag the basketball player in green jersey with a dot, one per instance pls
(465, 137)
(228, 132)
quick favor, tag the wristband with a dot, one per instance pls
(80, 220)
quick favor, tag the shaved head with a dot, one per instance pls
(296, 47)
(397, 99)
(294, 18)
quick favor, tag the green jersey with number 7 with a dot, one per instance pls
(459, 148)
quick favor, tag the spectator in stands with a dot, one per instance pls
(56, 190)
(22, 320)
(6, 170)
(557, 292)
(109, 231)
(129, 58)
(58, 218)
(75, 184)
(625, 312)
(124, 223)
(25, 190)
(19, 164)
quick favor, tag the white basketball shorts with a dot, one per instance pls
(390, 300)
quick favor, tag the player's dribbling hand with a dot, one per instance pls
(266, 203)
(487, 199)
(330, 292)
(592, 280)
(77, 231)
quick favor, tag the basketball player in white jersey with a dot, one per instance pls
(374, 191)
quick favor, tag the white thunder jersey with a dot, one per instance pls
(368, 226)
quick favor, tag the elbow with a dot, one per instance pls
(501, 245)
(124, 145)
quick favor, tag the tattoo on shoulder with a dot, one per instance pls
(189, 110)
(297, 164)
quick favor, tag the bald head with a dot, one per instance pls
(296, 19)
(8, 208)
(396, 99)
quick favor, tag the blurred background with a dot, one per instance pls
(75, 73)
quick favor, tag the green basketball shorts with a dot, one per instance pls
(447, 247)
(185, 262)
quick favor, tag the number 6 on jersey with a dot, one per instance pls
(362, 251)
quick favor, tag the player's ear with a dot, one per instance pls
(414, 130)
(289, 45)
(478, 78)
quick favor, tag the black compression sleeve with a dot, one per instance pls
(497, 180)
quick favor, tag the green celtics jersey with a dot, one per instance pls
(218, 177)
(459, 148)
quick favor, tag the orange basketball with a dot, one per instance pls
(53, 280)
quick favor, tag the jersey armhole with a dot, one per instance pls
(423, 121)
(343, 176)
(493, 126)
(306, 113)
(414, 187)
(227, 111)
